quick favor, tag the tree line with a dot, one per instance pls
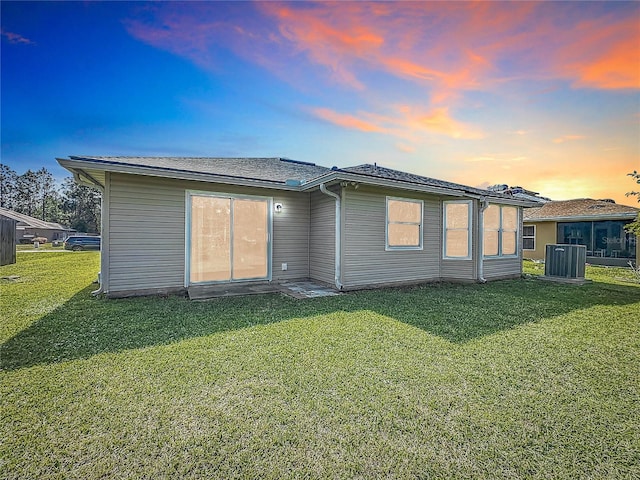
(36, 194)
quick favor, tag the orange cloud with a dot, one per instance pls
(403, 147)
(314, 30)
(496, 158)
(603, 54)
(347, 121)
(616, 69)
(458, 46)
(353, 39)
(403, 122)
(567, 138)
(439, 121)
(448, 48)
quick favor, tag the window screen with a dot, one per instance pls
(500, 230)
(456, 227)
(404, 223)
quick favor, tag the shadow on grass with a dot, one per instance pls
(85, 326)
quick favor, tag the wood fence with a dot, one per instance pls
(7, 241)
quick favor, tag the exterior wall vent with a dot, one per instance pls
(565, 261)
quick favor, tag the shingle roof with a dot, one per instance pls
(382, 172)
(581, 207)
(276, 172)
(30, 221)
(266, 169)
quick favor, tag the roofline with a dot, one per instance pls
(339, 175)
(27, 221)
(606, 216)
(77, 166)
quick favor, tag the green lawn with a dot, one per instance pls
(512, 379)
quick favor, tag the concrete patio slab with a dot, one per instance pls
(302, 289)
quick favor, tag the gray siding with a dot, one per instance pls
(146, 233)
(146, 242)
(365, 260)
(502, 268)
(291, 236)
(322, 237)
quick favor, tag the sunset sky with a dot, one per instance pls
(543, 95)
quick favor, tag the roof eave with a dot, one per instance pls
(513, 201)
(76, 166)
(590, 218)
(337, 176)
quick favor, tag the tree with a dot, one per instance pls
(81, 206)
(53, 207)
(8, 179)
(634, 227)
(35, 193)
(26, 199)
(45, 191)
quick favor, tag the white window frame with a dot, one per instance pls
(387, 222)
(500, 233)
(533, 237)
(187, 232)
(469, 204)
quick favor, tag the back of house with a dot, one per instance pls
(169, 224)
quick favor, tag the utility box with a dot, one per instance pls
(565, 261)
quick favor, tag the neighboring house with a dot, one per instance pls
(172, 223)
(28, 227)
(598, 224)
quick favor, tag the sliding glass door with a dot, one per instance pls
(228, 238)
(249, 248)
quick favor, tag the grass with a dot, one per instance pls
(29, 247)
(512, 379)
(595, 273)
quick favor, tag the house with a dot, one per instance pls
(28, 227)
(169, 224)
(598, 224)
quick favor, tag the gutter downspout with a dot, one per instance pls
(77, 176)
(100, 289)
(483, 206)
(338, 247)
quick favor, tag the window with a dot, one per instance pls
(500, 231)
(529, 237)
(457, 229)
(404, 224)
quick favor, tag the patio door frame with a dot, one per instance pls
(189, 194)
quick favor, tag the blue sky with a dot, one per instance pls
(543, 95)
